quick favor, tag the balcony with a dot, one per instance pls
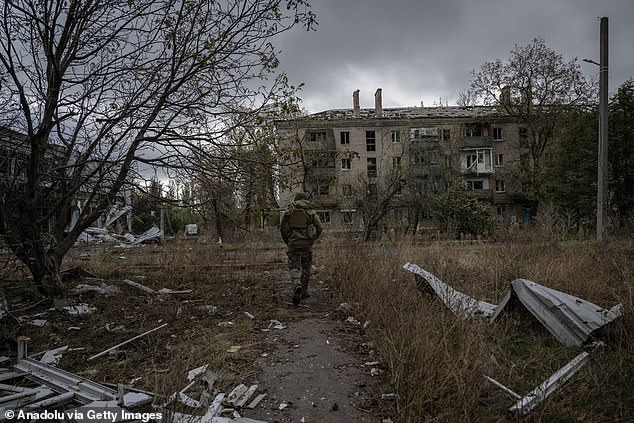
(324, 200)
(477, 142)
(477, 161)
(320, 140)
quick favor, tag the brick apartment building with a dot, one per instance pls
(337, 154)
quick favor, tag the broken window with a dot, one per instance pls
(372, 189)
(322, 189)
(324, 216)
(316, 135)
(348, 217)
(370, 140)
(371, 167)
(396, 162)
(344, 137)
(501, 211)
(472, 160)
(474, 185)
(346, 164)
(499, 159)
(473, 130)
(395, 136)
(499, 186)
(418, 135)
(446, 134)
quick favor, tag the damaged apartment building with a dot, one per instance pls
(341, 155)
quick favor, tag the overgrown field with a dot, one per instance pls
(434, 360)
(437, 360)
(202, 327)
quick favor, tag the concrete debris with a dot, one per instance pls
(256, 401)
(375, 372)
(276, 324)
(111, 327)
(234, 349)
(38, 322)
(172, 291)
(572, 320)
(52, 357)
(225, 324)
(79, 310)
(352, 320)
(139, 286)
(237, 393)
(240, 400)
(249, 315)
(103, 289)
(211, 309)
(101, 354)
(192, 374)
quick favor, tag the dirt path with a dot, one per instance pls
(314, 370)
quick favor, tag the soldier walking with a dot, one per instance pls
(300, 227)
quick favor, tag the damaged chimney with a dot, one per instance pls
(378, 103)
(356, 108)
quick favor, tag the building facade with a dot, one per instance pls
(339, 155)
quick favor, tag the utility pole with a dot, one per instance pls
(602, 181)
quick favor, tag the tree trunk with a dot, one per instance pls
(44, 267)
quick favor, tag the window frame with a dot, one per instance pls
(344, 137)
(370, 140)
(371, 167)
(346, 164)
(495, 133)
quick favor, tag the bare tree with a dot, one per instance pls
(106, 87)
(537, 86)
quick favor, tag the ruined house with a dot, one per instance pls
(14, 162)
(338, 155)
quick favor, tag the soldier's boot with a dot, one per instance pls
(305, 293)
(296, 276)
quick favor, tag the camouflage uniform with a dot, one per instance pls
(300, 227)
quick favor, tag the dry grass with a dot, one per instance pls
(237, 279)
(437, 360)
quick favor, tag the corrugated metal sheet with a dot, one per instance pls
(456, 301)
(570, 319)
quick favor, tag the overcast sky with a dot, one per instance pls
(425, 50)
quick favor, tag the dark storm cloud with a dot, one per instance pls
(423, 50)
